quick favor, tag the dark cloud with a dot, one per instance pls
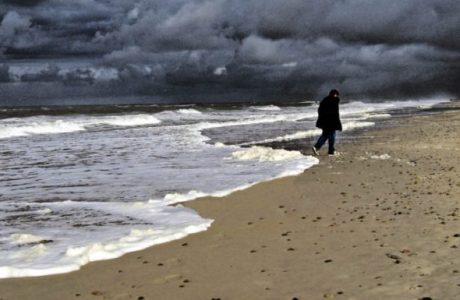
(24, 2)
(4, 73)
(252, 48)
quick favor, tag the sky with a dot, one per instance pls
(128, 51)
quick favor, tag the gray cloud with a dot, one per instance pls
(24, 2)
(4, 73)
(297, 49)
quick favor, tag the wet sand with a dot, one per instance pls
(381, 221)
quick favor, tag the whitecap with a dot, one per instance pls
(266, 108)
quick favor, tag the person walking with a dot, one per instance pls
(328, 121)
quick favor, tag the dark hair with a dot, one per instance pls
(334, 92)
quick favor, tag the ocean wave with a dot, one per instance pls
(265, 154)
(71, 249)
(248, 121)
(172, 198)
(18, 238)
(183, 114)
(347, 125)
(288, 137)
(359, 107)
(189, 111)
(127, 121)
(54, 127)
(18, 127)
(266, 108)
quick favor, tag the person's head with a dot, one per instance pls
(334, 93)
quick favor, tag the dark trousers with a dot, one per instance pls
(327, 135)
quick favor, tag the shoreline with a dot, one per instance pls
(292, 237)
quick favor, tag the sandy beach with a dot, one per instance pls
(380, 221)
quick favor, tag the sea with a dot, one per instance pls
(87, 183)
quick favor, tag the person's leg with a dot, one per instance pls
(321, 140)
(331, 138)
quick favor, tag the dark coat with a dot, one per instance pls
(328, 114)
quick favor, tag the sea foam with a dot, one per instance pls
(265, 154)
(56, 256)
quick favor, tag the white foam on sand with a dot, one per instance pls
(172, 198)
(35, 258)
(350, 125)
(381, 157)
(265, 154)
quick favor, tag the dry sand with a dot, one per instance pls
(381, 221)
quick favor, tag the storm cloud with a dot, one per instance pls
(192, 50)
